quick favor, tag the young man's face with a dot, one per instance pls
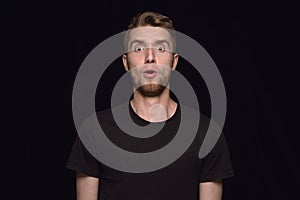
(150, 59)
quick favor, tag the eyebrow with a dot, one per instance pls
(162, 41)
(136, 41)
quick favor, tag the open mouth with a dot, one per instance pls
(150, 73)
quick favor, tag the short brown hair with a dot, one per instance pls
(151, 19)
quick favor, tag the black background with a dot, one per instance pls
(254, 44)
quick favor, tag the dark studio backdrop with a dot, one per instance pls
(255, 46)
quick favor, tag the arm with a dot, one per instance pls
(86, 187)
(211, 190)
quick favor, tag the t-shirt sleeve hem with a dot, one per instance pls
(217, 177)
(83, 171)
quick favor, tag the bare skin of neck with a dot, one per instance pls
(154, 109)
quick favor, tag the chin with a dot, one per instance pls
(151, 90)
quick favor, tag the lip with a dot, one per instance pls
(149, 72)
(150, 75)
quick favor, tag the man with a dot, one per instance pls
(150, 58)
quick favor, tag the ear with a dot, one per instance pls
(125, 62)
(175, 61)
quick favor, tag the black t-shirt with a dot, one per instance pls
(177, 181)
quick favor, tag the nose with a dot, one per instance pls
(150, 56)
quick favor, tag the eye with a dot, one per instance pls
(139, 48)
(160, 48)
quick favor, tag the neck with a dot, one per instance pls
(154, 109)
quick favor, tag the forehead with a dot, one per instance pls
(149, 34)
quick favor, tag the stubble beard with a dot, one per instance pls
(151, 90)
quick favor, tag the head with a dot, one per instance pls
(150, 57)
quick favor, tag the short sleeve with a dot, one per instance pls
(80, 160)
(217, 164)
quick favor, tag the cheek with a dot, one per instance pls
(133, 61)
(167, 60)
(171, 61)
